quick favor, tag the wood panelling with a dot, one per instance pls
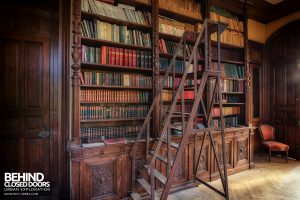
(265, 12)
(30, 91)
(105, 172)
(282, 74)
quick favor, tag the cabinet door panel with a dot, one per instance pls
(101, 178)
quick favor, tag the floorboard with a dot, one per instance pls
(268, 181)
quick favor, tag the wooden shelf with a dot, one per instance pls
(233, 92)
(137, 4)
(227, 115)
(111, 120)
(107, 67)
(234, 79)
(116, 87)
(112, 103)
(169, 55)
(229, 61)
(231, 104)
(98, 42)
(174, 38)
(177, 74)
(227, 46)
(133, 25)
(231, 29)
(178, 16)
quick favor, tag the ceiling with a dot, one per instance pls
(263, 11)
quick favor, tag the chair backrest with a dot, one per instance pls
(266, 132)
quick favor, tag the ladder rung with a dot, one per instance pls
(177, 127)
(213, 73)
(158, 175)
(162, 158)
(173, 144)
(145, 185)
(135, 196)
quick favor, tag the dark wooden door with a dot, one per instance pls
(282, 99)
(285, 105)
(24, 104)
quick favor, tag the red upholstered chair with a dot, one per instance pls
(267, 133)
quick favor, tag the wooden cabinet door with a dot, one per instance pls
(101, 178)
(24, 105)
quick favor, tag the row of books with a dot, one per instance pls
(169, 81)
(112, 112)
(93, 135)
(187, 108)
(167, 95)
(169, 47)
(232, 85)
(230, 70)
(116, 56)
(230, 37)
(228, 54)
(230, 98)
(234, 110)
(116, 79)
(164, 63)
(220, 15)
(173, 27)
(121, 11)
(228, 122)
(113, 96)
(114, 33)
(189, 8)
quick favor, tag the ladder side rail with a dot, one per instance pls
(221, 113)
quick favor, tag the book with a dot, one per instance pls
(115, 141)
(116, 56)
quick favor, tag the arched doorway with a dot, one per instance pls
(282, 72)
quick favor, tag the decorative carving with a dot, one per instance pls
(102, 179)
(76, 56)
(203, 161)
(227, 154)
(242, 150)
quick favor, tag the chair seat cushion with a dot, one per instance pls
(276, 146)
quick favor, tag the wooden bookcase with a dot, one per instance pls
(102, 171)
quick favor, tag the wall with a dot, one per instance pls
(260, 32)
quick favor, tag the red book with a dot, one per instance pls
(134, 58)
(117, 56)
(103, 55)
(121, 57)
(126, 57)
(113, 55)
(109, 55)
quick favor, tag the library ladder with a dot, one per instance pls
(187, 128)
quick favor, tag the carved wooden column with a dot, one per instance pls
(247, 68)
(76, 57)
(155, 64)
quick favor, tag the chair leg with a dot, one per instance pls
(286, 156)
(270, 154)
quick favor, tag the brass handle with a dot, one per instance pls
(43, 134)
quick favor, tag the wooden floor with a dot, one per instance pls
(268, 181)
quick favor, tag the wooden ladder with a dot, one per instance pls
(185, 127)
